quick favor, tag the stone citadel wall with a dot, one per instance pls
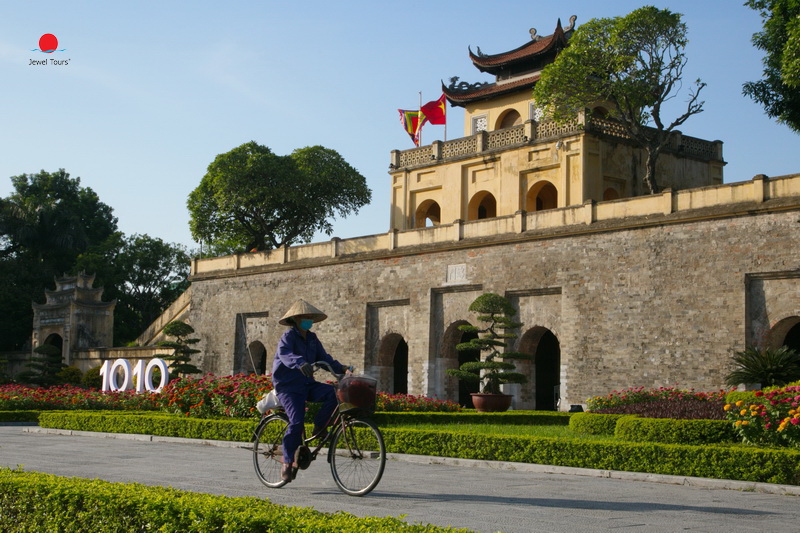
(654, 300)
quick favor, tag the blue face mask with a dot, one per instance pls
(306, 324)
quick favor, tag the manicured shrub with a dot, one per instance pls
(709, 460)
(594, 423)
(32, 501)
(672, 431)
(538, 418)
(19, 416)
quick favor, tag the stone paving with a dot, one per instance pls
(482, 496)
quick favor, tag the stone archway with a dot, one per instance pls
(542, 196)
(482, 205)
(455, 389)
(257, 356)
(544, 371)
(509, 119)
(393, 357)
(428, 214)
(786, 333)
(54, 339)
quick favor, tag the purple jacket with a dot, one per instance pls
(293, 351)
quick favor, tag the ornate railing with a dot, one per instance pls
(532, 132)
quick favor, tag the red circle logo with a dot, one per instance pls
(48, 43)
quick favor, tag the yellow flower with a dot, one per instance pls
(739, 403)
(745, 422)
(753, 407)
(727, 407)
(743, 412)
(738, 423)
(753, 413)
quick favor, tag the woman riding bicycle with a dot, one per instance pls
(293, 377)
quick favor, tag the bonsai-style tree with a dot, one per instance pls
(44, 367)
(769, 367)
(497, 313)
(180, 360)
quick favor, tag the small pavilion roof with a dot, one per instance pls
(515, 70)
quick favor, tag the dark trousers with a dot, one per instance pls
(294, 404)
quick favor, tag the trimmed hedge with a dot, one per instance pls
(672, 431)
(521, 418)
(595, 423)
(712, 461)
(42, 502)
(150, 423)
(19, 416)
(747, 396)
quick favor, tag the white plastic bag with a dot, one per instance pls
(268, 402)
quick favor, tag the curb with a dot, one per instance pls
(708, 483)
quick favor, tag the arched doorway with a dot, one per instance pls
(456, 389)
(257, 358)
(541, 196)
(786, 333)
(54, 339)
(483, 205)
(400, 368)
(393, 354)
(610, 194)
(543, 345)
(428, 214)
(509, 119)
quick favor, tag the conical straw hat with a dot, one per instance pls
(302, 307)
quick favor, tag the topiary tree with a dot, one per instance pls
(770, 366)
(44, 366)
(490, 372)
(180, 360)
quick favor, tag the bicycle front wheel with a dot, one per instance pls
(268, 450)
(357, 457)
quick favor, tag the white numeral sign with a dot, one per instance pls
(144, 375)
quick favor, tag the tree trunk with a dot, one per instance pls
(650, 170)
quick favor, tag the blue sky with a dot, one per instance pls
(153, 91)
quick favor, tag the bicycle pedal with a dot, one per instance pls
(303, 457)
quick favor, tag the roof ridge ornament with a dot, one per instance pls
(464, 86)
(571, 26)
(534, 35)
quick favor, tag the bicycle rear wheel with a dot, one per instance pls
(268, 450)
(357, 457)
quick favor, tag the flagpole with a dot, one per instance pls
(419, 118)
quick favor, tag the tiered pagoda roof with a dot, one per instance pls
(514, 70)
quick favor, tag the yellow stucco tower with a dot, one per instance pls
(511, 160)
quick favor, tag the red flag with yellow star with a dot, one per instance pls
(436, 111)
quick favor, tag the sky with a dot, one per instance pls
(149, 93)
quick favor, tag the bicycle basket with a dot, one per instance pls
(357, 393)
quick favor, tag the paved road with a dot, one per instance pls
(485, 497)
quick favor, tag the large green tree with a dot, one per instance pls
(634, 63)
(251, 198)
(144, 274)
(45, 223)
(779, 90)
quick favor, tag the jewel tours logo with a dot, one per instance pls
(48, 44)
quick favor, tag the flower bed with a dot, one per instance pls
(205, 397)
(772, 418)
(664, 402)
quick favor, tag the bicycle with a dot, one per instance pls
(356, 451)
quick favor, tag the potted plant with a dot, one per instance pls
(492, 370)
